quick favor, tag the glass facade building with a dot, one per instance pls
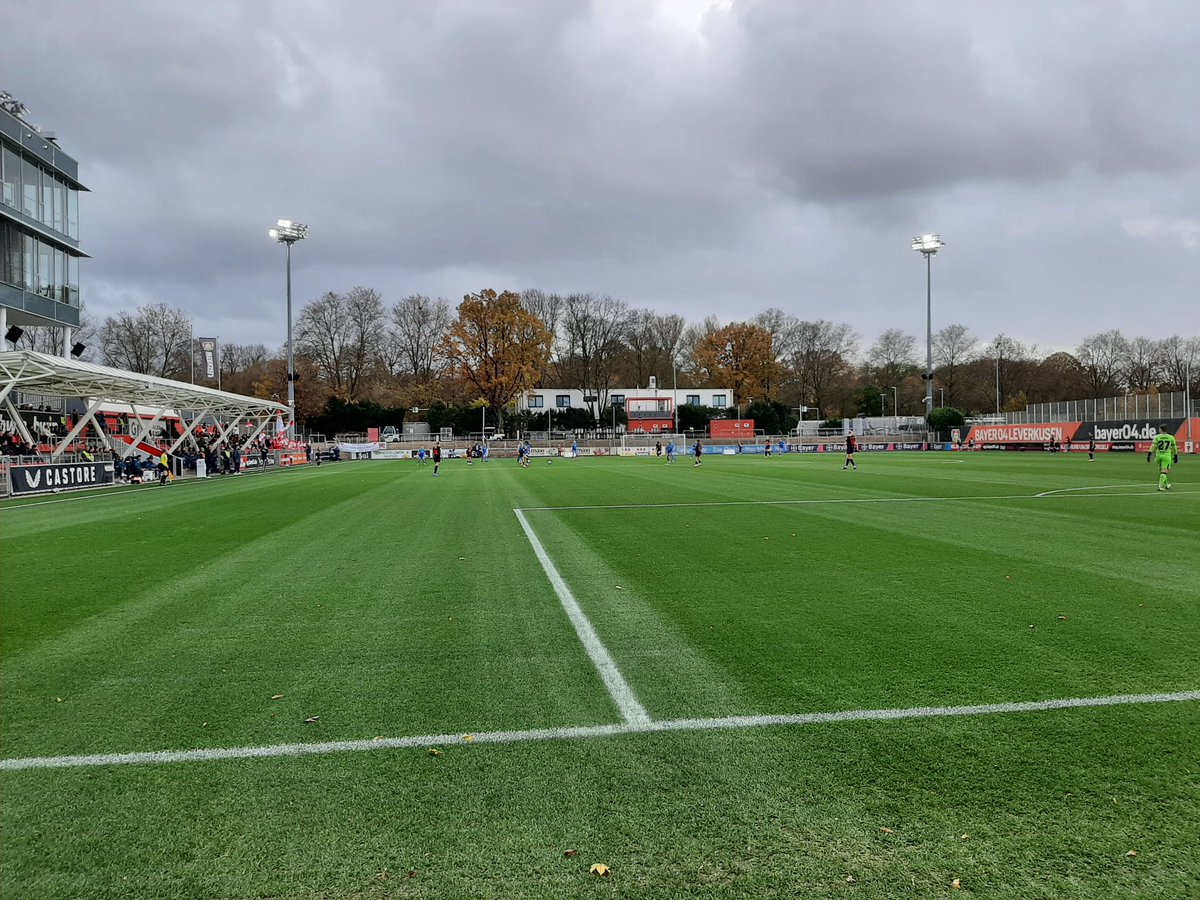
(39, 227)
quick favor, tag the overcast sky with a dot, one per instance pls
(693, 156)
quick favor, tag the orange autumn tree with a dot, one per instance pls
(498, 347)
(739, 355)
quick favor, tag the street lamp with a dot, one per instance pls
(287, 232)
(896, 406)
(928, 245)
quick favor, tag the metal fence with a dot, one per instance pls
(1108, 409)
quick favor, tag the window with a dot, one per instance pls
(58, 204)
(618, 400)
(73, 213)
(11, 178)
(31, 183)
(45, 269)
(10, 254)
(29, 263)
(536, 401)
(563, 401)
(46, 210)
(73, 280)
(719, 400)
(692, 400)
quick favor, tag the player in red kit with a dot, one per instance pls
(851, 446)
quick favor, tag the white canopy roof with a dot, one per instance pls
(41, 373)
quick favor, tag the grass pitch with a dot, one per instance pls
(379, 602)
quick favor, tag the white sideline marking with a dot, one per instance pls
(621, 693)
(586, 731)
(1147, 491)
(1095, 487)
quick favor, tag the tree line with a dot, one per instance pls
(354, 350)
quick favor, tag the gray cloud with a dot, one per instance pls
(701, 157)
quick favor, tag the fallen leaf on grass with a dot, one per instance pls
(956, 884)
(619, 588)
(964, 837)
(569, 853)
(59, 700)
(277, 696)
(1062, 618)
(311, 719)
(1131, 853)
(793, 534)
(850, 879)
(462, 557)
(203, 724)
(382, 876)
(887, 830)
(434, 751)
(599, 869)
(411, 873)
(468, 738)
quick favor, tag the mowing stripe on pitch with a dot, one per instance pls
(1145, 492)
(587, 731)
(620, 691)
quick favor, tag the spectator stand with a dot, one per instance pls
(153, 397)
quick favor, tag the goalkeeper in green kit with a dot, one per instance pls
(1165, 451)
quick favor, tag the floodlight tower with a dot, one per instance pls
(928, 245)
(287, 232)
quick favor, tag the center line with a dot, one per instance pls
(622, 694)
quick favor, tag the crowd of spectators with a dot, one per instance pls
(12, 445)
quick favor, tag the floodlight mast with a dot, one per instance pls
(928, 245)
(287, 232)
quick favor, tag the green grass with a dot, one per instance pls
(391, 604)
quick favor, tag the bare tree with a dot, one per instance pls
(783, 328)
(822, 361)
(342, 334)
(1101, 357)
(241, 366)
(152, 340)
(593, 344)
(547, 307)
(653, 345)
(1179, 357)
(893, 357)
(1142, 364)
(952, 347)
(418, 325)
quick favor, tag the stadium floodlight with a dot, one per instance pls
(287, 232)
(928, 245)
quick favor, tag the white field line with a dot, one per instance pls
(1145, 492)
(1094, 487)
(622, 694)
(586, 731)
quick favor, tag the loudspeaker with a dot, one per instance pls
(14, 334)
(77, 350)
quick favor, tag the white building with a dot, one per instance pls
(542, 398)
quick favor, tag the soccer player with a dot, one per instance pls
(437, 459)
(697, 451)
(767, 450)
(658, 448)
(1165, 451)
(574, 449)
(421, 456)
(1092, 448)
(164, 468)
(670, 452)
(851, 446)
